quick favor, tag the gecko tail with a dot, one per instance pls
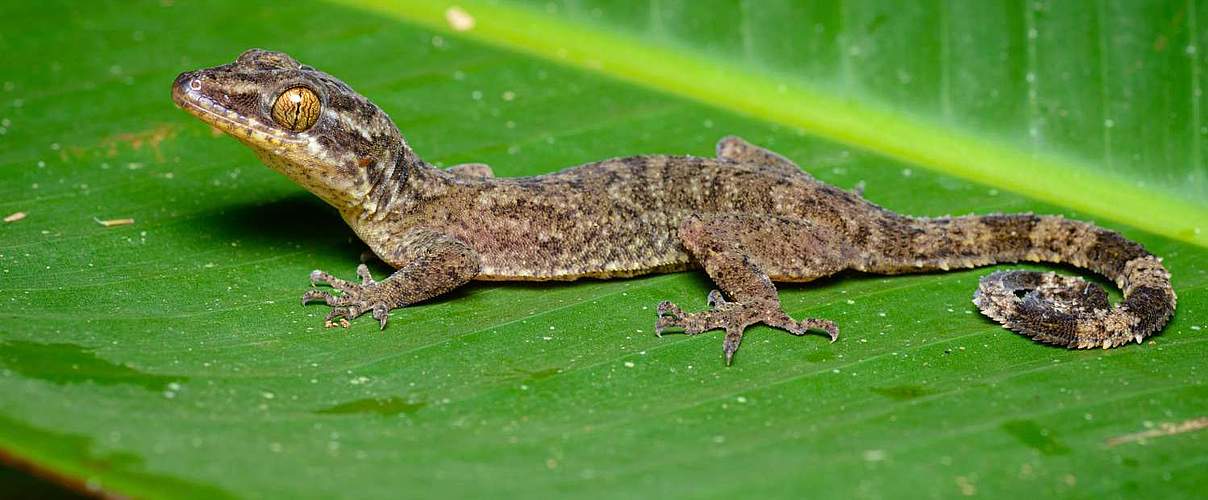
(1070, 311)
(1048, 307)
(1066, 310)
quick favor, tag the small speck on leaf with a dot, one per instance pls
(874, 455)
(459, 19)
(114, 222)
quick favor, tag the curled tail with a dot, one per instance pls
(1050, 308)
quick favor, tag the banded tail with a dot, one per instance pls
(1050, 308)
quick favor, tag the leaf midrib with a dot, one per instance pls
(1055, 178)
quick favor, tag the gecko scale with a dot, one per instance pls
(748, 217)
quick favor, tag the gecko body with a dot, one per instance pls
(747, 216)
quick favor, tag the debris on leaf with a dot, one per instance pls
(1165, 429)
(114, 222)
(332, 324)
(14, 217)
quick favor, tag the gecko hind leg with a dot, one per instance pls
(738, 150)
(742, 253)
(734, 318)
(472, 170)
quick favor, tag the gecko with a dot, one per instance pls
(748, 217)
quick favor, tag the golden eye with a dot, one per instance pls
(296, 109)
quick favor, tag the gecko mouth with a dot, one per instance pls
(186, 93)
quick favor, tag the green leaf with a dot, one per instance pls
(170, 357)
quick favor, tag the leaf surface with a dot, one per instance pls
(170, 357)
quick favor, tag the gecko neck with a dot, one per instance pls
(400, 203)
(405, 189)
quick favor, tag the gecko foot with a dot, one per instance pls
(354, 299)
(734, 317)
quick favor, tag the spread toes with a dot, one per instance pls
(734, 318)
(353, 300)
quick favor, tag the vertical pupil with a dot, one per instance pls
(296, 98)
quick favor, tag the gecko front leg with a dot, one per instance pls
(436, 263)
(472, 170)
(743, 254)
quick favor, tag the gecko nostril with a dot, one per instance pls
(195, 84)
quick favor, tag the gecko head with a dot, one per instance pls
(301, 122)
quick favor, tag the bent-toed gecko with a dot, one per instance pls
(749, 217)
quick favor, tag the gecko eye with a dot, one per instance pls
(296, 109)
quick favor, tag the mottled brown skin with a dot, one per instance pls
(748, 217)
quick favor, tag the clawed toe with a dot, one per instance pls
(363, 273)
(313, 295)
(341, 312)
(318, 276)
(329, 299)
(730, 344)
(670, 316)
(382, 314)
(667, 308)
(825, 325)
